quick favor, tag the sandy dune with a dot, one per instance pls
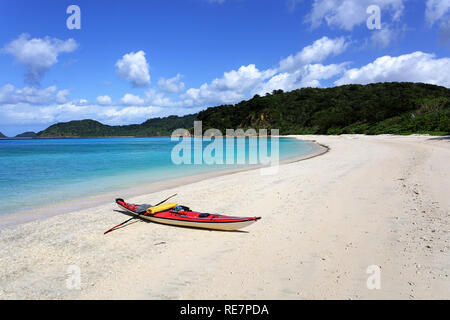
(381, 200)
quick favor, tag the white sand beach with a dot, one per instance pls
(370, 200)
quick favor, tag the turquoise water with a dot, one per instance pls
(37, 172)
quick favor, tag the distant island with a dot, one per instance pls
(380, 108)
(91, 128)
(28, 134)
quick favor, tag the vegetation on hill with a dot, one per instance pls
(28, 134)
(395, 108)
(92, 128)
(2, 135)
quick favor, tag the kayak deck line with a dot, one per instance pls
(202, 220)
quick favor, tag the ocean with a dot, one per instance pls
(39, 172)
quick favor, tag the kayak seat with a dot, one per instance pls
(203, 215)
(143, 208)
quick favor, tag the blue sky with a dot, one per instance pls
(134, 60)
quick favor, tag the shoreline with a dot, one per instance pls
(12, 220)
(371, 201)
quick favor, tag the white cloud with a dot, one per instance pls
(131, 100)
(346, 14)
(439, 10)
(414, 67)
(436, 10)
(80, 102)
(232, 87)
(116, 116)
(12, 95)
(62, 96)
(134, 68)
(314, 72)
(37, 55)
(151, 98)
(444, 31)
(317, 52)
(307, 76)
(172, 85)
(155, 98)
(284, 81)
(24, 113)
(7, 94)
(294, 72)
(382, 38)
(104, 100)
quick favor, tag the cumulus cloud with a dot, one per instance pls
(12, 95)
(248, 80)
(439, 10)
(172, 85)
(308, 75)
(24, 113)
(382, 38)
(284, 81)
(444, 31)
(104, 100)
(133, 67)
(313, 73)
(414, 67)
(132, 114)
(350, 13)
(436, 10)
(156, 98)
(316, 52)
(131, 100)
(233, 86)
(296, 71)
(37, 55)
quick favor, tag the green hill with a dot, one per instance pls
(2, 135)
(28, 134)
(92, 128)
(396, 108)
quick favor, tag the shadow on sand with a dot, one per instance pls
(443, 138)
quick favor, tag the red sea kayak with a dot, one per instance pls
(185, 217)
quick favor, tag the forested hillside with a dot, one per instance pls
(396, 108)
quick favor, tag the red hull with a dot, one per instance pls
(190, 218)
